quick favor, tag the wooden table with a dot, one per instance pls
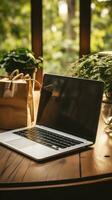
(18, 172)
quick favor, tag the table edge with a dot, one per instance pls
(56, 184)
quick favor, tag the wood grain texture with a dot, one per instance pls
(98, 160)
(17, 168)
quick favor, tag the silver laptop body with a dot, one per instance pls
(67, 119)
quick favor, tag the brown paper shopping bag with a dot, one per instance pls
(16, 103)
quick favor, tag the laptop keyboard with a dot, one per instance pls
(47, 138)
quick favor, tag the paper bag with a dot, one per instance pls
(16, 103)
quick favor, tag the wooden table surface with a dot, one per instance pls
(92, 164)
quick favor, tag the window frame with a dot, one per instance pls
(36, 27)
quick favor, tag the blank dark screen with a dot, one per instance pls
(71, 105)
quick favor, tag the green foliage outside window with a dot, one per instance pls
(14, 24)
(60, 30)
(60, 34)
(101, 26)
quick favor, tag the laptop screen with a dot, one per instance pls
(71, 105)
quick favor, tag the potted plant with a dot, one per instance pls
(95, 66)
(99, 67)
(22, 59)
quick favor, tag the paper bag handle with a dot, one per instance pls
(14, 73)
(18, 76)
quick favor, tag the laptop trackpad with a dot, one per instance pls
(21, 143)
(31, 148)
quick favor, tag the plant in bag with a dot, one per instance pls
(22, 59)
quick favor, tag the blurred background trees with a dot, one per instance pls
(14, 24)
(60, 29)
(101, 25)
(60, 34)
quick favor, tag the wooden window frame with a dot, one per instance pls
(36, 27)
(85, 27)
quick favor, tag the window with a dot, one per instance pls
(15, 24)
(101, 25)
(60, 34)
(65, 22)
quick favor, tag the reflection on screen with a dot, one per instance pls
(71, 105)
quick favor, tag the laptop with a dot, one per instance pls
(67, 119)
